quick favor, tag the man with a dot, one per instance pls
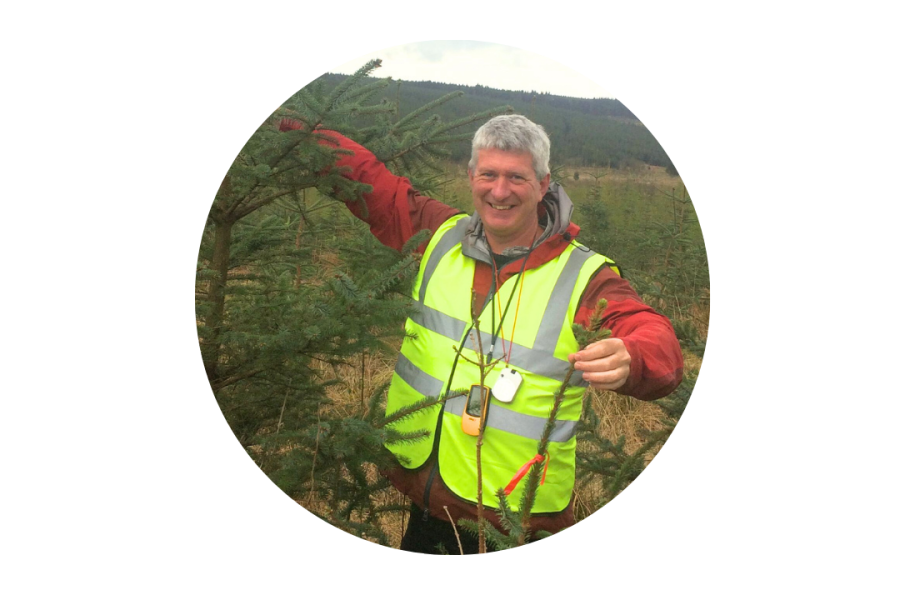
(530, 282)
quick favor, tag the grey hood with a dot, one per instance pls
(555, 220)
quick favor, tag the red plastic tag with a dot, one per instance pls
(521, 473)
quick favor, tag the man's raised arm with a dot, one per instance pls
(396, 212)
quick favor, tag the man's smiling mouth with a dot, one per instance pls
(498, 206)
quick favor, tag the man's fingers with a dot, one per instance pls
(607, 363)
(607, 380)
(598, 350)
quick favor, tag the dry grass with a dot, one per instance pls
(645, 174)
(619, 417)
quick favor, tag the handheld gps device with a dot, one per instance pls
(475, 412)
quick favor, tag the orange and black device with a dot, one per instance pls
(475, 412)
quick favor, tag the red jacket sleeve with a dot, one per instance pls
(656, 360)
(396, 211)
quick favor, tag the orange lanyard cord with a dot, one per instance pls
(496, 286)
(507, 353)
(515, 318)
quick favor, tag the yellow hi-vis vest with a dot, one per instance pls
(541, 345)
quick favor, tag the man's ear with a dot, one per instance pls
(545, 184)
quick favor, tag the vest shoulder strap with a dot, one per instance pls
(448, 235)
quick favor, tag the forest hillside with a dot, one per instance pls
(599, 131)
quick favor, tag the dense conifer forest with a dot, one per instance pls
(599, 131)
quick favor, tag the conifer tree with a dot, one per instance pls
(607, 460)
(292, 290)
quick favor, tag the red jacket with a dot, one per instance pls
(396, 212)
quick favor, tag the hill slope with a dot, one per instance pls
(600, 131)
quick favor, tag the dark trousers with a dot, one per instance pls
(428, 537)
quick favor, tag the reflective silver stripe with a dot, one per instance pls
(510, 421)
(417, 379)
(450, 239)
(434, 320)
(555, 316)
(530, 359)
(535, 361)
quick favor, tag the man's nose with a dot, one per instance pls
(500, 189)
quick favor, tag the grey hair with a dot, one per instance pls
(514, 133)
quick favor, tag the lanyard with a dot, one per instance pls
(489, 300)
(495, 279)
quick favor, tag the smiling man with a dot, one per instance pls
(506, 192)
(531, 281)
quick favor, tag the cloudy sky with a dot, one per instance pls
(470, 63)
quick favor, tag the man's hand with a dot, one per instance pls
(606, 364)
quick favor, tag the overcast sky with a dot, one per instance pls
(470, 63)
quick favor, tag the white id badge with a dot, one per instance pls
(507, 385)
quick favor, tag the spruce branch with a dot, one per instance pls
(304, 98)
(429, 131)
(584, 337)
(510, 534)
(372, 406)
(412, 244)
(391, 436)
(407, 411)
(339, 93)
(508, 519)
(366, 92)
(404, 269)
(399, 126)
(492, 535)
(218, 385)
(250, 207)
(479, 362)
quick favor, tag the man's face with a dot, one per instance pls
(506, 193)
